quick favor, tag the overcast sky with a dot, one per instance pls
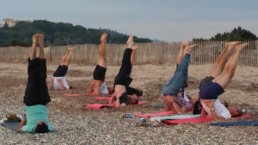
(168, 20)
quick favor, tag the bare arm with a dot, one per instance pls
(51, 87)
(91, 90)
(177, 108)
(117, 102)
(203, 114)
(115, 99)
(212, 114)
(22, 123)
(112, 98)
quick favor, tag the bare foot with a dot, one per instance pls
(41, 39)
(240, 47)
(70, 49)
(134, 47)
(130, 42)
(185, 44)
(188, 49)
(231, 45)
(130, 39)
(103, 37)
(35, 39)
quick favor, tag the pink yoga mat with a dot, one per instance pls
(74, 95)
(187, 120)
(195, 120)
(162, 113)
(108, 98)
(99, 106)
(245, 116)
(102, 98)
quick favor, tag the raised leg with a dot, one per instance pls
(130, 42)
(41, 46)
(221, 60)
(102, 51)
(34, 46)
(68, 57)
(181, 52)
(230, 67)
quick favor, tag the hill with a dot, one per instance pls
(58, 34)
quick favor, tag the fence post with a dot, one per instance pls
(50, 54)
(256, 47)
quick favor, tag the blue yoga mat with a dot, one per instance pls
(239, 123)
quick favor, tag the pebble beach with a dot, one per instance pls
(74, 124)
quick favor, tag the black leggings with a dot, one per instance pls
(36, 90)
(123, 76)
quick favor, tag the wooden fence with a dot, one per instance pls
(154, 53)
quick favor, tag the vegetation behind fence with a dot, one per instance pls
(154, 53)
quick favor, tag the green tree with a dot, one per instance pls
(58, 34)
(237, 34)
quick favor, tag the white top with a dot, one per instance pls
(56, 84)
(103, 89)
(219, 108)
(185, 96)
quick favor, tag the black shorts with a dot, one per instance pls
(205, 81)
(211, 91)
(121, 80)
(99, 73)
(61, 71)
(36, 90)
(124, 99)
(131, 91)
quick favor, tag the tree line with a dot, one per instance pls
(237, 34)
(58, 34)
(66, 33)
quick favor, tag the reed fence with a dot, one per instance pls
(147, 53)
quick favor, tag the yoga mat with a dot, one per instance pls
(99, 106)
(74, 95)
(148, 115)
(140, 103)
(102, 98)
(10, 124)
(245, 116)
(173, 117)
(195, 120)
(238, 123)
(108, 98)
(187, 120)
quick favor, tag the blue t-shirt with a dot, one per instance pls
(35, 114)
